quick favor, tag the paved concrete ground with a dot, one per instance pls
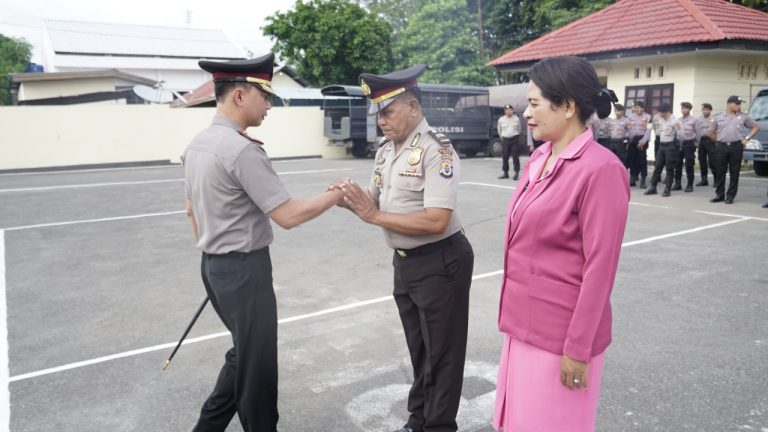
(690, 349)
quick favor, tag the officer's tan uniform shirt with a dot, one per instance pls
(422, 174)
(686, 128)
(232, 185)
(665, 128)
(730, 127)
(702, 126)
(620, 128)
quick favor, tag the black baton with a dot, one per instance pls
(189, 327)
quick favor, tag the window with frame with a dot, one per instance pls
(651, 95)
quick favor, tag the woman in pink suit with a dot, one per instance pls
(564, 228)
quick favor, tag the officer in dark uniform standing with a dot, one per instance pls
(232, 193)
(686, 132)
(706, 145)
(412, 195)
(728, 133)
(668, 149)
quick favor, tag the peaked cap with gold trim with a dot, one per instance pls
(382, 89)
(257, 71)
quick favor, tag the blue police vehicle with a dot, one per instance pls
(756, 149)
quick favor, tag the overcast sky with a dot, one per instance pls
(240, 20)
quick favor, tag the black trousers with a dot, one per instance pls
(239, 286)
(637, 159)
(686, 156)
(665, 157)
(510, 147)
(619, 148)
(728, 160)
(707, 157)
(432, 296)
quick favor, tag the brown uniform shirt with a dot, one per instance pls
(424, 173)
(730, 127)
(232, 185)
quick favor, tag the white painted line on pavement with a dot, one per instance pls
(5, 395)
(89, 185)
(170, 345)
(648, 205)
(488, 185)
(129, 183)
(679, 233)
(26, 227)
(310, 315)
(730, 215)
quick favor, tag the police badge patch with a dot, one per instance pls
(446, 169)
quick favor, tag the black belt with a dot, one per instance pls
(729, 142)
(666, 143)
(265, 249)
(430, 247)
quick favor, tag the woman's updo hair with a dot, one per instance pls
(567, 77)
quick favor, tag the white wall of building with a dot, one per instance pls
(50, 136)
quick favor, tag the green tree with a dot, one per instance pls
(331, 41)
(553, 14)
(442, 35)
(14, 57)
(761, 5)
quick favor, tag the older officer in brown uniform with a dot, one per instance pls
(232, 193)
(730, 139)
(412, 196)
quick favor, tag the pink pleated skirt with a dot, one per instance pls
(530, 397)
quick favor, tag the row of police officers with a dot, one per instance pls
(719, 139)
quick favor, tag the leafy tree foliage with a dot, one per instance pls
(331, 41)
(442, 35)
(14, 57)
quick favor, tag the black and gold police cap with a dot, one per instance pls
(257, 71)
(383, 89)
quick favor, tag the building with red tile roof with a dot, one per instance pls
(663, 50)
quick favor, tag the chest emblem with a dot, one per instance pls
(446, 169)
(377, 179)
(415, 156)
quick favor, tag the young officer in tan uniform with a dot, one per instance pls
(664, 125)
(412, 196)
(232, 193)
(686, 132)
(728, 133)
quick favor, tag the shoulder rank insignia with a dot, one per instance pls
(446, 153)
(249, 138)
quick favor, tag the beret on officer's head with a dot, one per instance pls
(257, 71)
(735, 99)
(383, 89)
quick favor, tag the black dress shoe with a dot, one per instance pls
(729, 200)
(702, 183)
(765, 205)
(689, 188)
(666, 192)
(651, 191)
(406, 429)
(504, 176)
(717, 199)
(515, 176)
(677, 187)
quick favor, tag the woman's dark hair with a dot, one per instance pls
(566, 77)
